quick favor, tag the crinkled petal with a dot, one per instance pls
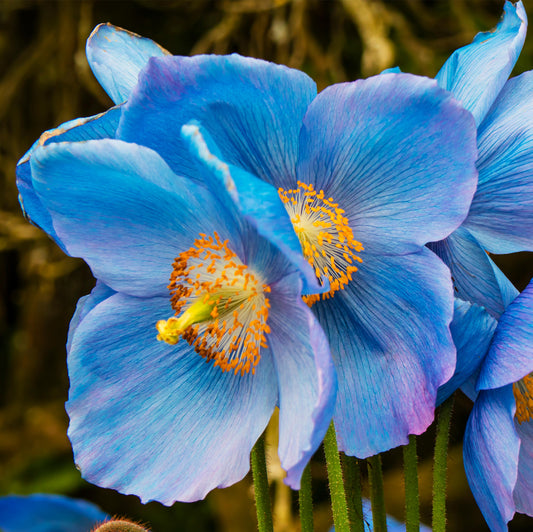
(501, 215)
(475, 276)
(476, 73)
(156, 420)
(390, 340)
(252, 109)
(128, 216)
(95, 127)
(472, 329)
(257, 201)
(48, 513)
(116, 57)
(511, 354)
(306, 377)
(523, 492)
(490, 453)
(397, 153)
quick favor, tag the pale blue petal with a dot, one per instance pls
(157, 420)
(397, 153)
(511, 354)
(116, 57)
(390, 340)
(476, 73)
(490, 454)
(252, 109)
(472, 329)
(48, 513)
(306, 377)
(501, 215)
(128, 216)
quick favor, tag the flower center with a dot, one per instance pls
(221, 305)
(325, 236)
(523, 394)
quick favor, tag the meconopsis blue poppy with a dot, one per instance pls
(501, 215)
(364, 174)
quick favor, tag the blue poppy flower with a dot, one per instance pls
(369, 172)
(172, 384)
(501, 215)
(48, 513)
(494, 368)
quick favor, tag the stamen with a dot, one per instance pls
(325, 236)
(523, 394)
(221, 304)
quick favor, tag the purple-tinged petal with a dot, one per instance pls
(397, 153)
(95, 127)
(257, 201)
(128, 216)
(472, 329)
(252, 109)
(48, 513)
(501, 215)
(476, 73)
(306, 377)
(153, 419)
(490, 453)
(523, 491)
(390, 340)
(116, 57)
(511, 354)
(475, 276)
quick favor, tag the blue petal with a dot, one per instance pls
(475, 276)
(116, 57)
(501, 216)
(490, 453)
(390, 340)
(523, 492)
(472, 329)
(257, 201)
(252, 109)
(85, 305)
(388, 147)
(306, 377)
(476, 73)
(156, 420)
(128, 216)
(511, 354)
(48, 513)
(95, 127)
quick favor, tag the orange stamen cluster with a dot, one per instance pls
(325, 235)
(523, 394)
(232, 330)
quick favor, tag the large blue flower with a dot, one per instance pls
(48, 513)
(172, 386)
(498, 442)
(369, 172)
(501, 216)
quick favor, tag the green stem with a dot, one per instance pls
(412, 503)
(354, 495)
(440, 465)
(377, 496)
(305, 498)
(336, 483)
(261, 491)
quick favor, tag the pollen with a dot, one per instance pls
(523, 394)
(325, 236)
(221, 306)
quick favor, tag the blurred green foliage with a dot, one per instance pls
(45, 80)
